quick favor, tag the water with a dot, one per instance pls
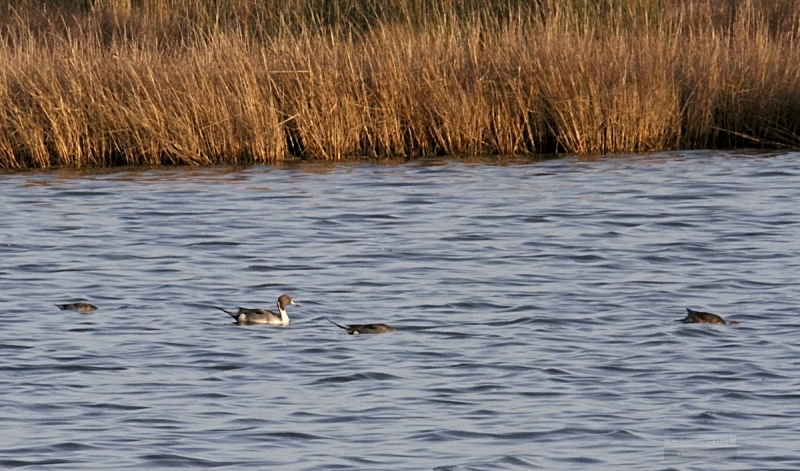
(535, 304)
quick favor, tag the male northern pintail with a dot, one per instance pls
(697, 317)
(353, 329)
(77, 307)
(245, 316)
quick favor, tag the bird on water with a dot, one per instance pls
(77, 307)
(354, 329)
(697, 317)
(245, 316)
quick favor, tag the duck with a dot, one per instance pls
(355, 329)
(77, 307)
(697, 317)
(246, 316)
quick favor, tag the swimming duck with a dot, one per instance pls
(354, 329)
(697, 317)
(246, 316)
(77, 307)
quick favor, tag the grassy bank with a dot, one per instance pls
(115, 82)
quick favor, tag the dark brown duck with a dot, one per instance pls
(354, 329)
(77, 307)
(697, 317)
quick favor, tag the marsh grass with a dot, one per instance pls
(115, 82)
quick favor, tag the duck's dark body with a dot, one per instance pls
(77, 307)
(354, 329)
(697, 317)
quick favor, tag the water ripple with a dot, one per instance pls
(536, 306)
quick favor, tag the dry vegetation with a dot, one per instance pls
(114, 82)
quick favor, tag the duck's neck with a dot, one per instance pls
(284, 316)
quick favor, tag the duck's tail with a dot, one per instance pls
(232, 314)
(691, 317)
(337, 325)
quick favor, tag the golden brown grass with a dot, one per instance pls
(110, 82)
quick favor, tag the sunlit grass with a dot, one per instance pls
(111, 82)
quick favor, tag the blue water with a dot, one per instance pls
(535, 303)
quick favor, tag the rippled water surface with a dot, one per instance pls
(535, 303)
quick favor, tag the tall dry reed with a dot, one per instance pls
(112, 82)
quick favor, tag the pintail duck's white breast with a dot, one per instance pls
(246, 316)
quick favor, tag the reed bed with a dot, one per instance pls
(128, 82)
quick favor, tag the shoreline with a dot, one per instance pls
(108, 85)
